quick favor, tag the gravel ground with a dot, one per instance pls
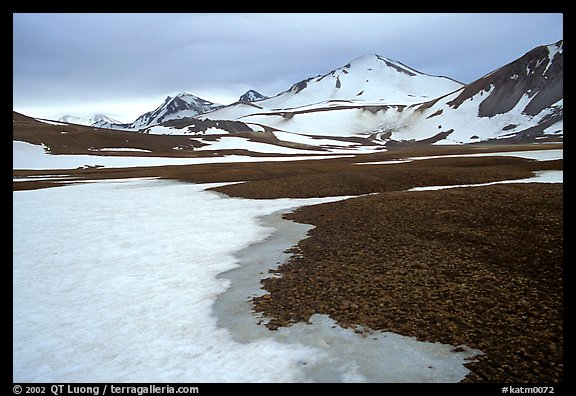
(477, 266)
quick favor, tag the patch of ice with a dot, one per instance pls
(539, 155)
(545, 176)
(238, 143)
(121, 149)
(115, 282)
(31, 156)
(50, 121)
(387, 162)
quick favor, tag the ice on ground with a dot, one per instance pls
(538, 155)
(239, 143)
(50, 121)
(387, 162)
(377, 357)
(32, 156)
(545, 176)
(116, 282)
(121, 149)
(303, 139)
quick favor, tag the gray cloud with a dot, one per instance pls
(109, 61)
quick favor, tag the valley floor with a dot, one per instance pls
(474, 266)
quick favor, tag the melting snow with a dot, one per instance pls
(120, 149)
(116, 281)
(31, 156)
(238, 143)
(50, 122)
(538, 155)
(546, 176)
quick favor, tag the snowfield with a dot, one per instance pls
(549, 176)
(115, 282)
(32, 156)
(538, 155)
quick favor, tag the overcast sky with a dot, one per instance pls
(123, 65)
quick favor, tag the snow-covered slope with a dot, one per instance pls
(180, 106)
(386, 100)
(96, 120)
(520, 100)
(369, 78)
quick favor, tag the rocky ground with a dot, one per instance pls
(475, 266)
(481, 266)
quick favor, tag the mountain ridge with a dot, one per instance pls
(519, 100)
(388, 101)
(97, 120)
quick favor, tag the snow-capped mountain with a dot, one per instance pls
(369, 78)
(310, 105)
(173, 108)
(180, 106)
(387, 100)
(519, 100)
(252, 96)
(96, 120)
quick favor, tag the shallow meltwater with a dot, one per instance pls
(336, 354)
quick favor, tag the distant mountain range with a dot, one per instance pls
(97, 120)
(388, 102)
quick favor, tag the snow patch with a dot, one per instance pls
(50, 122)
(115, 282)
(127, 149)
(32, 156)
(545, 176)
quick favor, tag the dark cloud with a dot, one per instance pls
(114, 61)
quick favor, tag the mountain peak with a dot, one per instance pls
(182, 105)
(368, 78)
(252, 96)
